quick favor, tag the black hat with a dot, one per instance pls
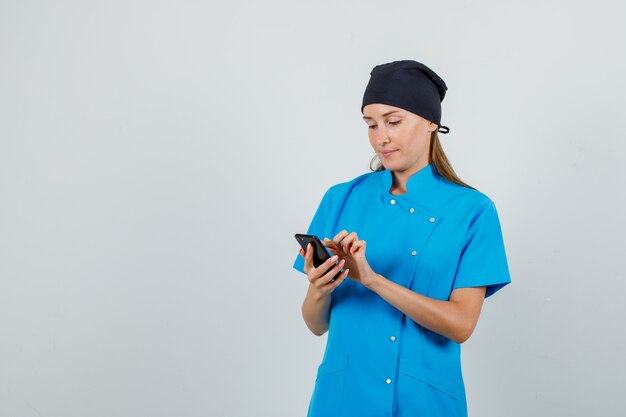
(410, 85)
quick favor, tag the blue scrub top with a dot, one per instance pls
(437, 237)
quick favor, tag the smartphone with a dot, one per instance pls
(320, 254)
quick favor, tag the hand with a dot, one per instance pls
(320, 277)
(350, 249)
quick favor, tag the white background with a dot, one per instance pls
(156, 158)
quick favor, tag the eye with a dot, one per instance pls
(371, 126)
(395, 122)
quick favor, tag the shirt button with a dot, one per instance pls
(414, 253)
(393, 201)
(388, 381)
(392, 338)
(412, 210)
(432, 220)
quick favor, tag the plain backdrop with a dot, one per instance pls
(157, 157)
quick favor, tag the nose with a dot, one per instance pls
(381, 136)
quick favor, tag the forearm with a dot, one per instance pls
(316, 311)
(451, 319)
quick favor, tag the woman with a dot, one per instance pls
(421, 251)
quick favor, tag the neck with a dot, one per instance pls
(400, 178)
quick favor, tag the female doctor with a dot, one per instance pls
(420, 250)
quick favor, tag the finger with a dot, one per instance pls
(320, 281)
(328, 243)
(328, 277)
(333, 247)
(322, 269)
(330, 274)
(357, 246)
(308, 256)
(349, 238)
(339, 236)
(331, 286)
(347, 241)
(302, 253)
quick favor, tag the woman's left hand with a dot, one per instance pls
(347, 246)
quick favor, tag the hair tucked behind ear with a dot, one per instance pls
(437, 157)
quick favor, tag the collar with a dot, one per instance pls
(422, 180)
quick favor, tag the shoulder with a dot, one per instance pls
(363, 182)
(456, 196)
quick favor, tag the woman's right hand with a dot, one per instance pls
(320, 277)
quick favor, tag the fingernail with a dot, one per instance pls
(334, 258)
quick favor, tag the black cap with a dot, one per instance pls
(410, 85)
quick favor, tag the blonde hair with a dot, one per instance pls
(437, 157)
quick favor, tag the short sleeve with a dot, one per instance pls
(483, 258)
(317, 227)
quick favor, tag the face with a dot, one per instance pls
(401, 139)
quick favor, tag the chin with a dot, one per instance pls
(391, 166)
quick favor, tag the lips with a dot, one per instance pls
(387, 153)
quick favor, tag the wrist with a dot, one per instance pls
(373, 281)
(317, 295)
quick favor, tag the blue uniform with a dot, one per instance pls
(437, 237)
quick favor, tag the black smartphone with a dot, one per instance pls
(320, 253)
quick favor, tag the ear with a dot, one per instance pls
(432, 126)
